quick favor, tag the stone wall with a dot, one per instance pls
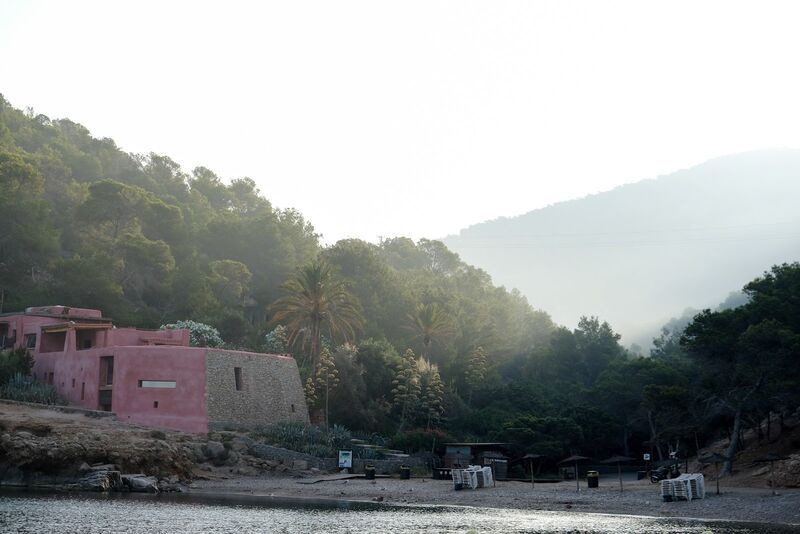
(285, 456)
(270, 389)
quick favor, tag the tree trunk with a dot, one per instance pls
(769, 424)
(727, 466)
(696, 445)
(653, 435)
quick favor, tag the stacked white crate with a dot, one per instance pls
(697, 483)
(473, 477)
(667, 490)
(470, 478)
(687, 487)
(458, 478)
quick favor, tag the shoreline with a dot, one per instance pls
(740, 504)
(220, 496)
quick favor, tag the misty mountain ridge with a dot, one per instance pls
(641, 253)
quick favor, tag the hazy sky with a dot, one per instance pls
(414, 118)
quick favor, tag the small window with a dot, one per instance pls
(237, 375)
(83, 389)
(30, 341)
(73, 382)
(292, 408)
(159, 384)
(155, 404)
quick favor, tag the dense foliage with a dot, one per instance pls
(15, 382)
(399, 338)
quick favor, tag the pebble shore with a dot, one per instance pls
(638, 497)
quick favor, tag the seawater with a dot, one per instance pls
(36, 513)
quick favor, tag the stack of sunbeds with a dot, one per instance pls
(685, 487)
(472, 477)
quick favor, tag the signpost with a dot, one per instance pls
(345, 459)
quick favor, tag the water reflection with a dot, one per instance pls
(178, 514)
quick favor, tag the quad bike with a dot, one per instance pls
(670, 470)
(664, 472)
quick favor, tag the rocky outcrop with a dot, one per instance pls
(787, 472)
(140, 483)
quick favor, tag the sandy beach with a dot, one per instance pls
(638, 497)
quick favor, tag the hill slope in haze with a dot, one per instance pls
(643, 252)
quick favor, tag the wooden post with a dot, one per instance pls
(619, 471)
(532, 481)
(716, 467)
(577, 480)
(772, 477)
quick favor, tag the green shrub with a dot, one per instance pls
(200, 334)
(305, 438)
(24, 389)
(13, 362)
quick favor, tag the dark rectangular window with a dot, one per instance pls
(83, 389)
(155, 404)
(52, 342)
(73, 382)
(237, 376)
(30, 341)
(107, 371)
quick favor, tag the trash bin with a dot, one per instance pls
(593, 479)
(405, 472)
(369, 472)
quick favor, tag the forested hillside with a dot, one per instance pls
(401, 338)
(642, 253)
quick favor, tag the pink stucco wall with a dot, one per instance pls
(79, 339)
(181, 408)
(138, 355)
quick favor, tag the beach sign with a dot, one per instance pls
(345, 459)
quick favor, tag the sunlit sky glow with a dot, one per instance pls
(414, 118)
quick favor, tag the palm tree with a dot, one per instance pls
(317, 303)
(430, 324)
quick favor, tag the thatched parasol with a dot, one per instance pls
(715, 459)
(531, 457)
(575, 459)
(618, 460)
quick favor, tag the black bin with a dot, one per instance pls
(593, 479)
(405, 472)
(369, 472)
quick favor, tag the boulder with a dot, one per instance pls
(300, 465)
(215, 450)
(100, 481)
(140, 483)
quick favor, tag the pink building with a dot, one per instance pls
(154, 378)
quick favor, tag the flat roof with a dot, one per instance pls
(58, 316)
